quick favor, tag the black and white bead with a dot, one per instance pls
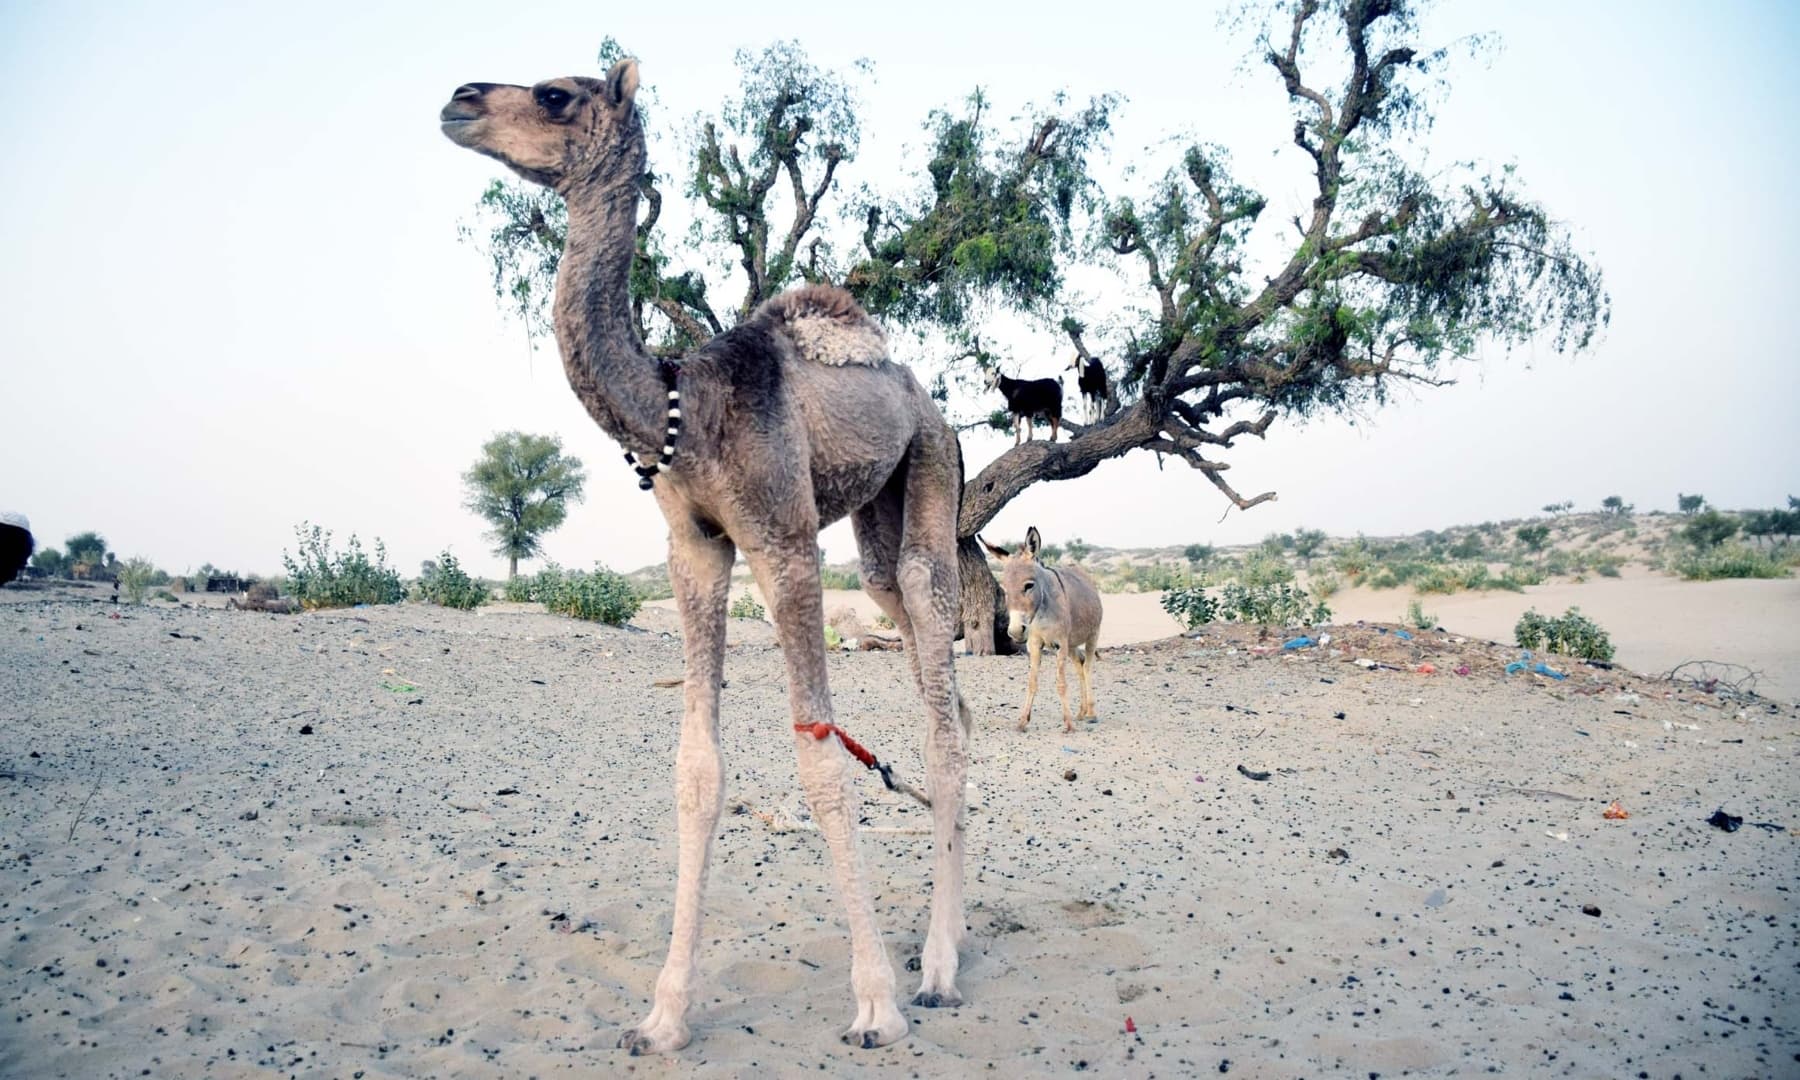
(647, 472)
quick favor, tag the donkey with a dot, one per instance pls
(1051, 605)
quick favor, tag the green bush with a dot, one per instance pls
(446, 584)
(1708, 529)
(1197, 553)
(321, 578)
(1324, 586)
(1278, 604)
(1417, 616)
(1260, 568)
(746, 607)
(599, 595)
(520, 589)
(838, 579)
(1573, 634)
(1729, 561)
(1534, 537)
(135, 576)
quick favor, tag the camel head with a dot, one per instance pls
(561, 133)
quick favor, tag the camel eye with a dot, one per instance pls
(553, 99)
(1030, 585)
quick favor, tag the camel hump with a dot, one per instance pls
(826, 325)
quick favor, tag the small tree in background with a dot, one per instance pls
(1533, 536)
(1553, 509)
(83, 553)
(1709, 529)
(50, 562)
(1615, 506)
(1689, 504)
(522, 485)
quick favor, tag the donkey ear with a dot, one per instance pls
(996, 552)
(1033, 541)
(621, 83)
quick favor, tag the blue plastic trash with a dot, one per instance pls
(1515, 667)
(1297, 643)
(1403, 635)
(1545, 669)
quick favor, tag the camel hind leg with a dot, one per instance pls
(930, 590)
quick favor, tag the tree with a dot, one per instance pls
(1689, 504)
(1615, 506)
(1396, 271)
(1553, 509)
(522, 485)
(1709, 528)
(1533, 536)
(50, 562)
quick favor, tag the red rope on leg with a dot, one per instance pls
(857, 750)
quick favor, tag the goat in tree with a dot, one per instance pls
(1090, 379)
(792, 420)
(1028, 400)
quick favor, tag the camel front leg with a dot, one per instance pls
(1036, 648)
(828, 778)
(700, 574)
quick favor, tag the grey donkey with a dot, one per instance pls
(1051, 605)
(789, 421)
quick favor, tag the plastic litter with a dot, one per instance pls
(1365, 662)
(1462, 669)
(1403, 635)
(1130, 1028)
(1615, 812)
(1727, 822)
(1297, 643)
(1515, 667)
(1541, 668)
(1427, 669)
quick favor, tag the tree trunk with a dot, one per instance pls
(512, 567)
(983, 604)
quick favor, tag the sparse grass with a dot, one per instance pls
(1729, 561)
(746, 607)
(1418, 617)
(839, 579)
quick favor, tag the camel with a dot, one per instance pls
(1051, 605)
(791, 420)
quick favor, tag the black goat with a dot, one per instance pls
(1091, 378)
(1028, 400)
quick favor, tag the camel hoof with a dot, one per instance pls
(934, 1000)
(1024, 723)
(642, 1040)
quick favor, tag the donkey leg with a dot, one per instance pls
(700, 573)
(792, 572)
(1062, 686)
(1089, 653)
(930, 587)
(1035, 648)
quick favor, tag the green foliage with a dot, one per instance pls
(1078, 549)
(1615, 506)
(746, 607)
(50, 562)
(1573, 634)
(1276, 604)
(599, 595)
(839, 579)
(85, 549)
(136, 576)
(1689, 504)
(1198, 554)
(164, 594)
(1766, 524)
(1416, 616)
(445, 583)
(321, 578)
(1468, 546)
(522, 485)
(1258, 569)
(1708, 529)
(1324, 586)
(1533, 536)
(1553, 509)
(1729, 561)
(1308, 542)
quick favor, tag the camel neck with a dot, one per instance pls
(608, 367)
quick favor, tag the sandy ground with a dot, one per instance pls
(410, 842)
(1655, 621)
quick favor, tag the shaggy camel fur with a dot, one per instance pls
(1051, 605)
(788, 422)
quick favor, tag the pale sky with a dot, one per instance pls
(235, 300)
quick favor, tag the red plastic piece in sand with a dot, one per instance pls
(1130, 1028)
(1615, 812)
(1427, 669)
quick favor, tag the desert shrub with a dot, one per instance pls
(746, 607)
(1260, 569)
(1278, 604)
(833, 640)
(1571, 634)
(1354, 559)
(599, 595)
(1708, 529)
(520, 589)
(1452, 578)
(838, 579)
(1519, 575)
(1469, 546)
(882, 622)
(321, 578)
(1533, 536)
(50, 562)
(1324, 586)
(1689, 504)
(164, 594)
(1417, 616)
(446, 584)
(1078, 549)
(1615, 506)
(136, 576)
(1198, 553)
(1308, 542)
(1730, 561)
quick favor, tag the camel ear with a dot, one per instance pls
(996, 552)
(622, 83)
(1033, 541)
